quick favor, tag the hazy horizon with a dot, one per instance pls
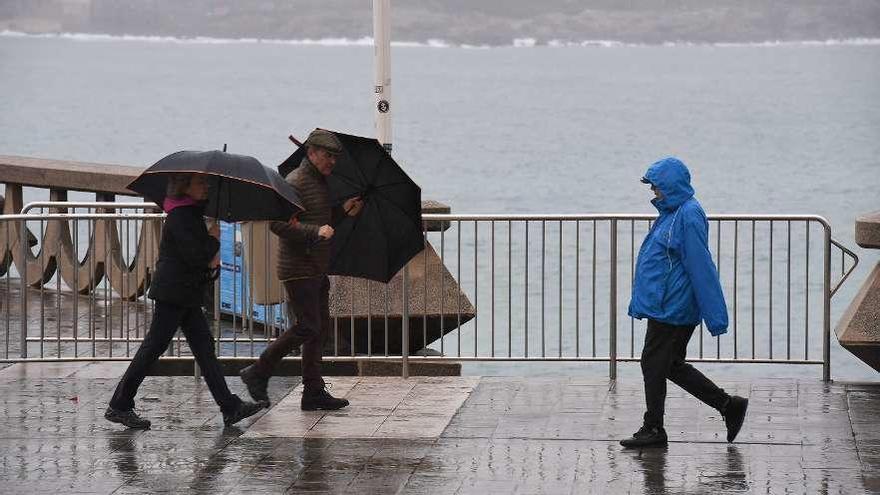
(459, 22)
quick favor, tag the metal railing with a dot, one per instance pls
(544, 288)
(769, 304)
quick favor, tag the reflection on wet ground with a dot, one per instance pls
(511, 435)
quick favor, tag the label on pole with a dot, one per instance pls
(383, 106)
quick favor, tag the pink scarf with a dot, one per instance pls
(171, 203)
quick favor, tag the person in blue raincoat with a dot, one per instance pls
(676, 286)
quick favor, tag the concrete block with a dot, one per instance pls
(868, 230)
(858, 330)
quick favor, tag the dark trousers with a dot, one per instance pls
(167, 318)
(308, 300)
(664, 357)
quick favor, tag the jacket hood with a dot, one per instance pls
(672, 178)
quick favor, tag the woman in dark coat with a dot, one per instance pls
(187, 253)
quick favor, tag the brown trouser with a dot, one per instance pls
(308, 300)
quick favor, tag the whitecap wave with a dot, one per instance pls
(430, 43)
(597, 43)
(744, 44)
(524, 42)
(86, 37)
(829, 42)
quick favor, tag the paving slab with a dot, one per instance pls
(381, 407)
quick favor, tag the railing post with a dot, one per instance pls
(404, 338)
(612, 305)
(826, 308)
(22, 275)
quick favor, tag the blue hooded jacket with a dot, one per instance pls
(676, 281)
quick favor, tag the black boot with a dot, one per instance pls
(734, 415)
(128, 418)
(647, 436)
(244, 410)
(320, 398)
(256, 384)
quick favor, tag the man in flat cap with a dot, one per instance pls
(303, 261)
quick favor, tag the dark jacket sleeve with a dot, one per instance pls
(196, 248)
(299, 232)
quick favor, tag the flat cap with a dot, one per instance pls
(324, 139)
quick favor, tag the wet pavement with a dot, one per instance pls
(484, 435)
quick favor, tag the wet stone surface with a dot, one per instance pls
(509, 435)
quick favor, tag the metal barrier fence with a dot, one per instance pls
(558, 287)
(543, 288)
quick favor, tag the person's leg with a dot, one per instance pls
(198, 334)
(201, 342)
(315, 395)
(302, 298)
(689, 378)
(657, 356)
(317, 317)
(166, 319)
(302, 303)
(732, 408)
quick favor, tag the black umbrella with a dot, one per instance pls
(240, 187)
(387, 233)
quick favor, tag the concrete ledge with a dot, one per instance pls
(859, 328)
(868, 230)
(231, 367)
(108, 178)
(417, 367)
(293, 367)
(68, 175)
(435, 207)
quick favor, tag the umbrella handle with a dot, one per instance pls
(364, 199)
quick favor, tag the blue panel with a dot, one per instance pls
(232, 292)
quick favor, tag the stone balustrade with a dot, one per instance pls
(103, 258)
(128, 275)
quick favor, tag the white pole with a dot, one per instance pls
(382, 86)
(382, 92)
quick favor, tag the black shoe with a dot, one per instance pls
(256, 384)
(734, 415)
(647, 436)
(244, 410)
(315, 399)
(128, 418)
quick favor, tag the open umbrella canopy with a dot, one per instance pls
(240, 187)
(387, 233)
